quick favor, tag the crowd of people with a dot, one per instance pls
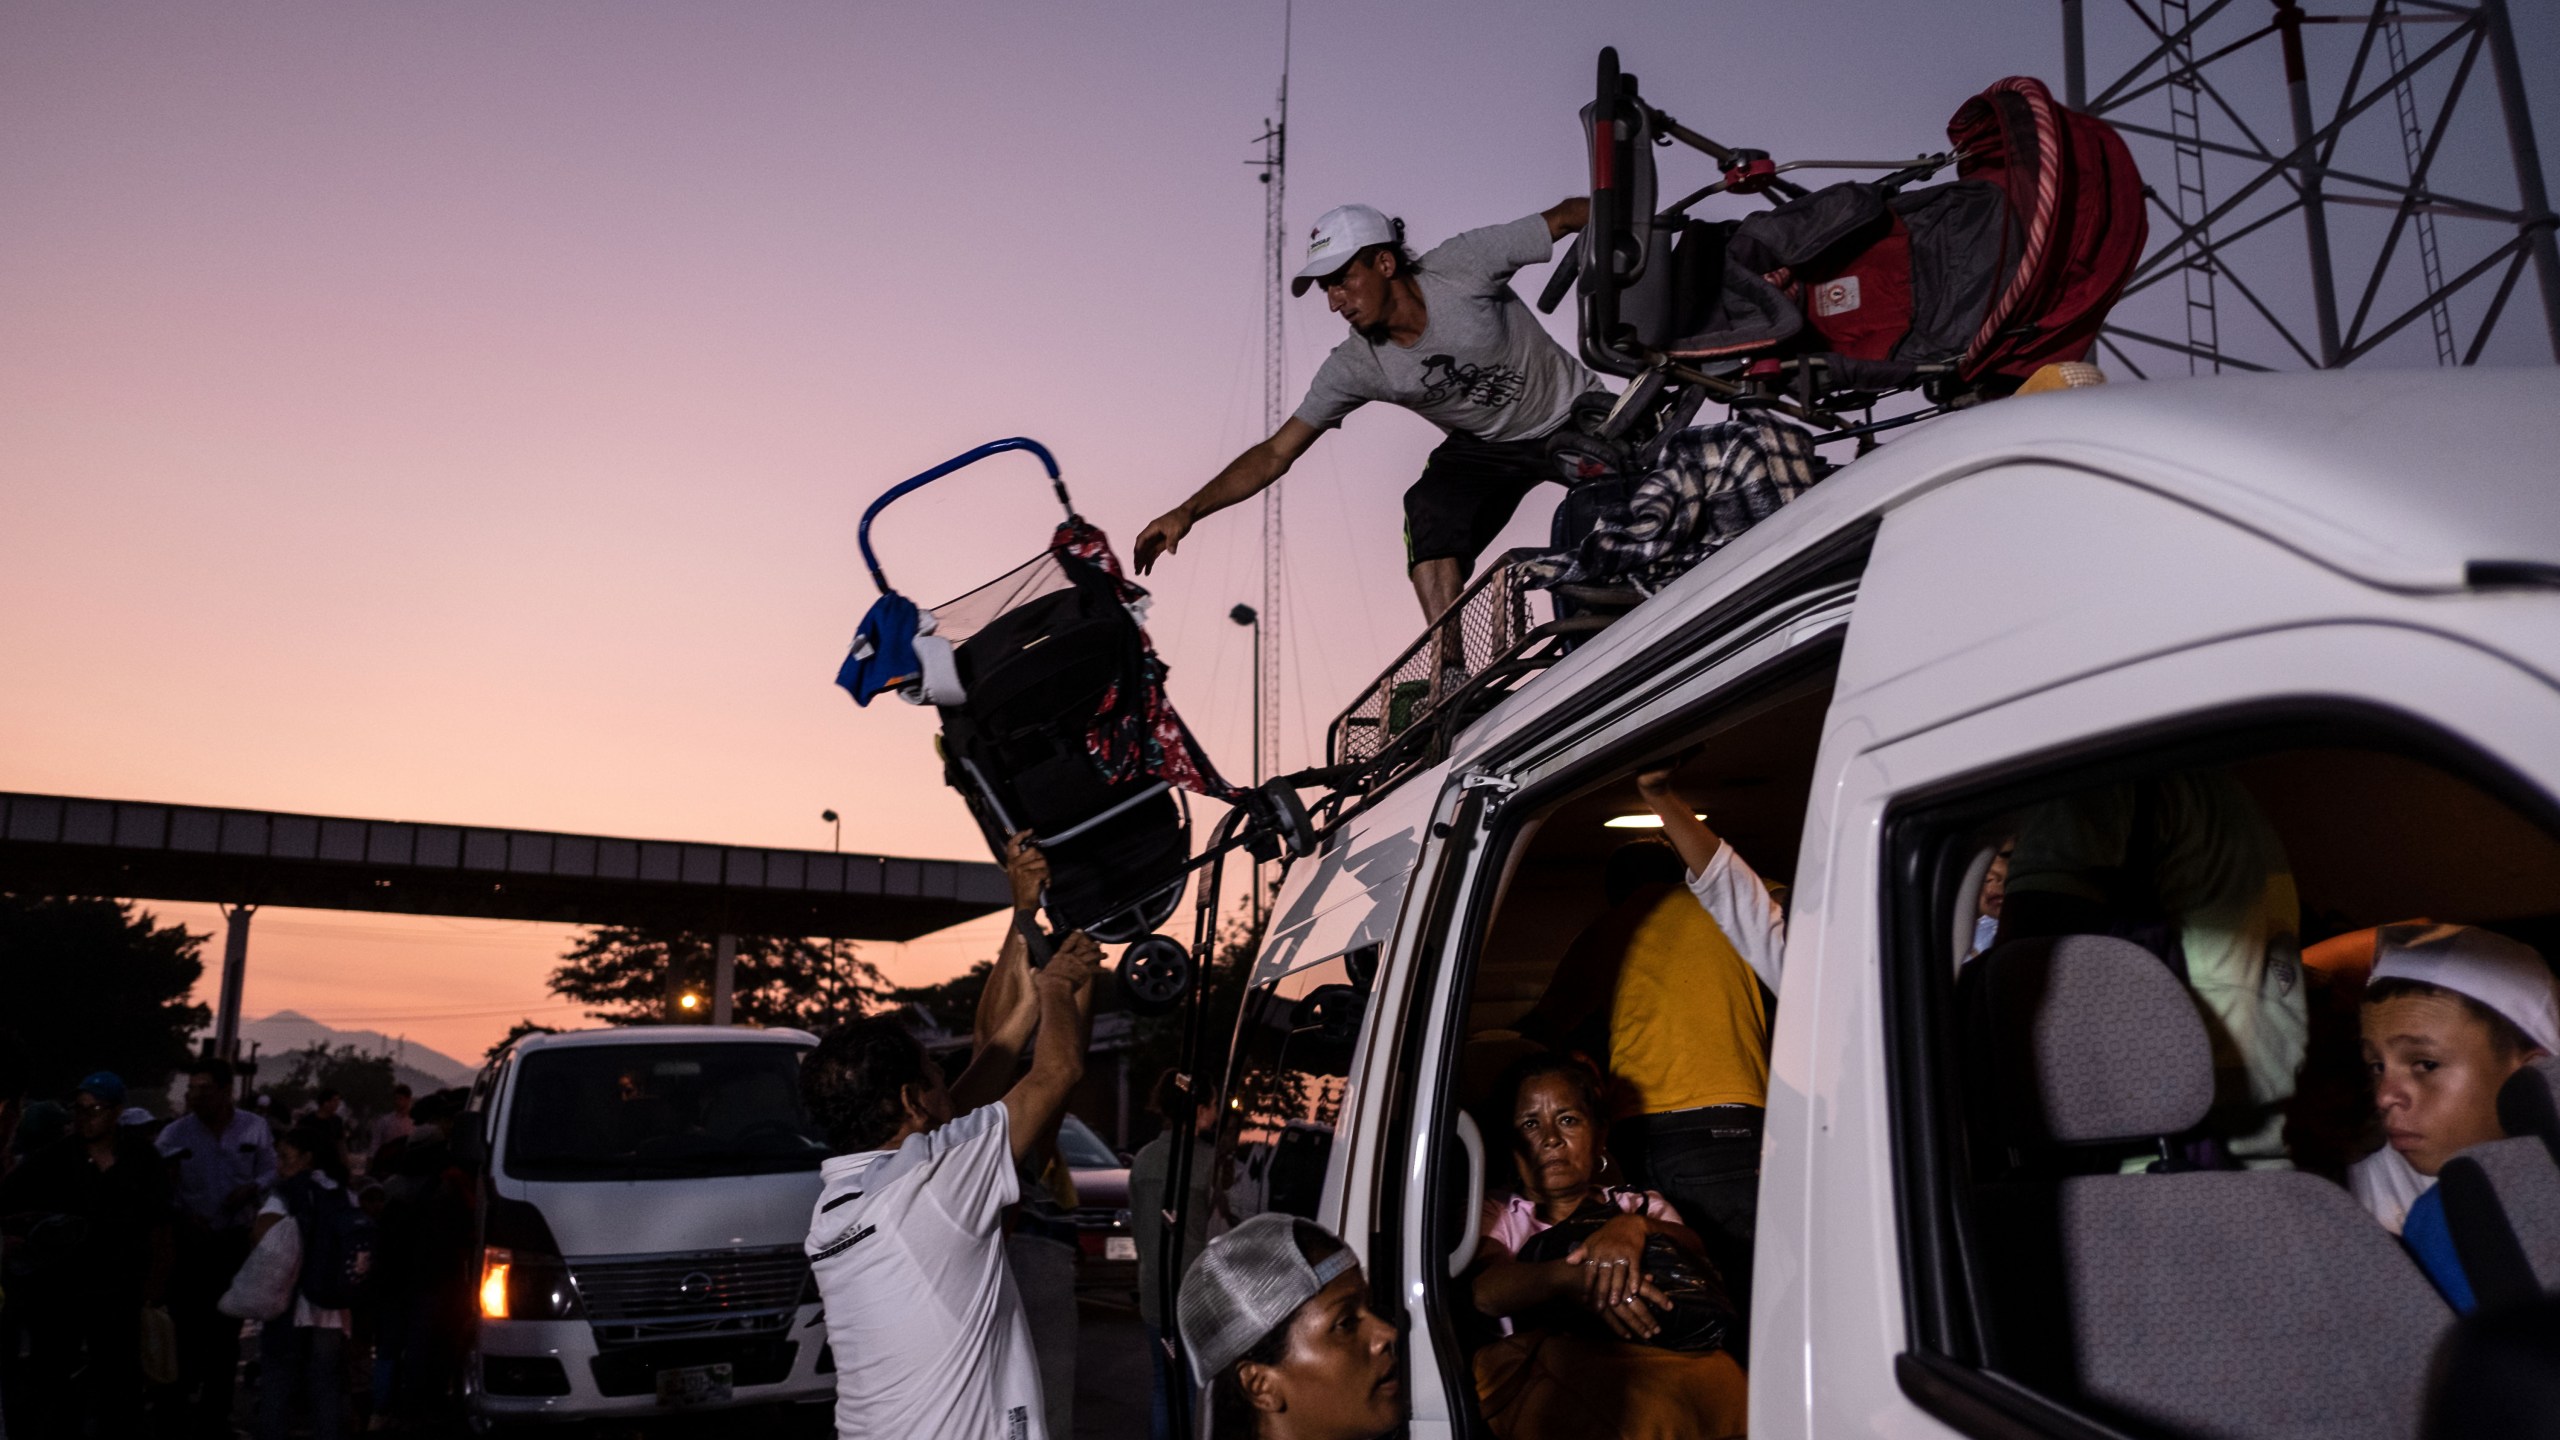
(1609, 1288)
(123, 1240)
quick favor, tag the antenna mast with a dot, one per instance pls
(1275, 400)
(1266, 635)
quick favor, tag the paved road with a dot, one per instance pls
(1113, 1378)
(1112, 1387)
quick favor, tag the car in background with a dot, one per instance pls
(1107, 1249)
(646, 1197)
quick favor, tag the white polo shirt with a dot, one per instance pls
(908, 1247)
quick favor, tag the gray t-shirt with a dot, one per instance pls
(1483, 367)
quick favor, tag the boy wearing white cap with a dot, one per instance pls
(1446, 338)
(2449, 1013)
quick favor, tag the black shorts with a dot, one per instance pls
(1467, 492)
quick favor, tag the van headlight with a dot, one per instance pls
(520, 1285)
(495, 1266)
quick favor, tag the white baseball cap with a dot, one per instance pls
(1342, 232)
(2506, 975)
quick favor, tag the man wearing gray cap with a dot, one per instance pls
(1276, 1319)
(1447, 338)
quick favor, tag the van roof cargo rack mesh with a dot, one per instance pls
(1494, 644)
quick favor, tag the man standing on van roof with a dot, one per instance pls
(907, 1241)
(1444, 337)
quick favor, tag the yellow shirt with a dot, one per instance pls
(1688, 1026)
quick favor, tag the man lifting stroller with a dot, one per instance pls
(1445, 337)
(907, 1240)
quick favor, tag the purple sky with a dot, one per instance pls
(460, 412)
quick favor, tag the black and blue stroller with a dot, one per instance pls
(1055, 721)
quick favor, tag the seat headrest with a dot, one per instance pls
(2529, 1103)
(2089, 1039)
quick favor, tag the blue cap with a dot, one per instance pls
(107, 1085)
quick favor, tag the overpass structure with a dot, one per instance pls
(245, 859)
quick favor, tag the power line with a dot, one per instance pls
(341, 1021)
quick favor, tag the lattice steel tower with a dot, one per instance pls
(2361, 188)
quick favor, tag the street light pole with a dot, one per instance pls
(835, 943)
(1246, 616)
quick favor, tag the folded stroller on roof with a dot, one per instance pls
(1839, 296)
(1055, 720)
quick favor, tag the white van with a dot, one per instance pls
(647, 1193)
(2335, 598)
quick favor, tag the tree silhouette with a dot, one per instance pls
(626, 974)
(363, 1081)
(516, 1032)
(94, 985)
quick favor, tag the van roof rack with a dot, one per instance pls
(1484, 646)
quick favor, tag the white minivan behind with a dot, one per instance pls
(646, 1197)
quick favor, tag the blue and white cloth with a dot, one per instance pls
(895, 649)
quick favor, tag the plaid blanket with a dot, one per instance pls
(1713, 482)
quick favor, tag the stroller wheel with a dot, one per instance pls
(1134, 921)
(1155, 973)
(1281, 823)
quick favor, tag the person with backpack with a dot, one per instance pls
(305, 1349)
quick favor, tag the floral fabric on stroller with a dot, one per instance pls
(1055, 720)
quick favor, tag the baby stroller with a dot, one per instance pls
(1839, 296)
(1055, 720)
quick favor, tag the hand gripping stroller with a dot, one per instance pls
(1055, 720)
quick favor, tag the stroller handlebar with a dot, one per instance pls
(862, 535)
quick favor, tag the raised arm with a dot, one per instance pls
(1245, 477)
(1566, 217)
(1680, 825)
(1732, 893)
(1007, 1007)
(1064, 988)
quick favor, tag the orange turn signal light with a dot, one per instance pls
(494, 1265)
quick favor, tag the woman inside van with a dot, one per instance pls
(1615, 1318)
(1275, 1316)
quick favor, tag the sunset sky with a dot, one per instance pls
(460, 411)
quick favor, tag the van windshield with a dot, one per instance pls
(650, 1112)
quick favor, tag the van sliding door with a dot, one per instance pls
(1772, 668)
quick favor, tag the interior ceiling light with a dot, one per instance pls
(1646, 821)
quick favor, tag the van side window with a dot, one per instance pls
(2144, 1045)
(1294, 1045)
